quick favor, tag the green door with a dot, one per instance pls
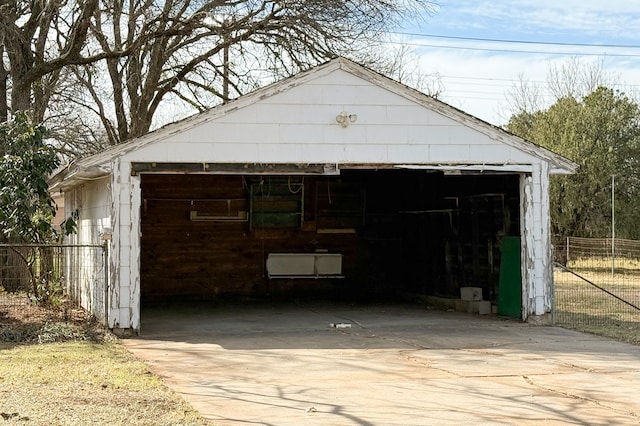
(510, 285)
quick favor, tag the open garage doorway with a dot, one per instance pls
(363, 235)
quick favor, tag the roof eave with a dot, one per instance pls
(75, 175)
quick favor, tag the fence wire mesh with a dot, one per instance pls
(41, 282)
(597, 286)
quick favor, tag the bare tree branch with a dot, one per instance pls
(187, 51)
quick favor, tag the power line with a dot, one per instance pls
(518, 51)
(454, 84)
(540, 43)
(508, 80)
(537, 52)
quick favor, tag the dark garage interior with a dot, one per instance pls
(361, 235)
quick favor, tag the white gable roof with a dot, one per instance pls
(294, 122)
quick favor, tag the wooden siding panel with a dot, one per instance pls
(367, 153)
(284, 114)
(299, 125)
(485, 153)
(353, 134)
(91, 202)
(449, 153)
(462, 135)
(404, 153)
(302, 134)
(186, 152)
(280, 153)
(233, 153)
(429, 135)
(515, 156)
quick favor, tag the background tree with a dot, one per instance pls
(601, 132)
(574, 78)
(26, 208)
(37, 40)
(403, 65)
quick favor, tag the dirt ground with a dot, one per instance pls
(22, 321)
(16, 307)
(385, 365)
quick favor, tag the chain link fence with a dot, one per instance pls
(40, 283)
(597, 286)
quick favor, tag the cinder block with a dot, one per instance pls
(470, 293)
(469, 306)
(484, 307)
(462, 305)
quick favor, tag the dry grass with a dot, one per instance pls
(81, 383)
(584, 307)
(56, 372)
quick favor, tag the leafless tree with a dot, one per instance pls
(575, 78)
(524, 97)
(402, 63)
(116, 63)
(198, 53)
(39, 38)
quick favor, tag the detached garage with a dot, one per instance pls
(337, 183)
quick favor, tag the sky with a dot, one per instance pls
(477, 74)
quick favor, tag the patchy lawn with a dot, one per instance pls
(595, 304)
(55, 372)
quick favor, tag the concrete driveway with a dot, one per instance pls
(395, 365)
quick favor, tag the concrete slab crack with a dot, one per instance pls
(532, 383)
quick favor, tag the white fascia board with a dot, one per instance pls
(562, 171)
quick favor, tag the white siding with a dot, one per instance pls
(125, 259)
(537, 266)
(299, 126)
(85, 267)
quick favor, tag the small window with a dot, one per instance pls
(276, 203)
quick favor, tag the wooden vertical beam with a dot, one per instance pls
(537, 272)
(134, 253)
(527, 241)
(114, 258)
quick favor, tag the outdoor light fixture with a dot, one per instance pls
(344, 118)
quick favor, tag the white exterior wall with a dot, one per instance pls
(299, 127)
(85, 268)
(124, 298)
(537, 265)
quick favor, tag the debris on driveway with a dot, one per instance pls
(340, 325)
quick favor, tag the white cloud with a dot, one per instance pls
(595, 17)
(478, 81)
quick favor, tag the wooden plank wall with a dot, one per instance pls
(399, 231)
(209, 259)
